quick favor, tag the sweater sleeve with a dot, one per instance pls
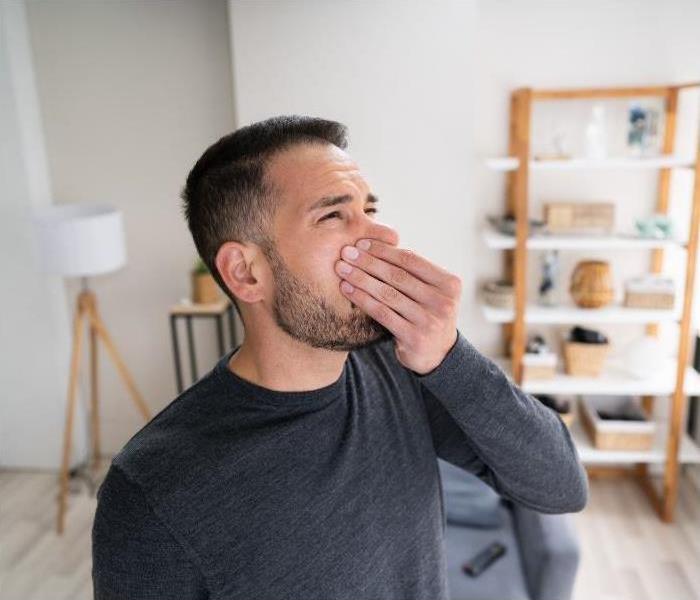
(134, 555)
(485, 423)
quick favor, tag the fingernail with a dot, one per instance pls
(344, 267)
(363, 244)
(350, 252)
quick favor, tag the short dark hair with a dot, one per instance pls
(227, 196)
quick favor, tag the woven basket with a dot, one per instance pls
(568, 418)
(538, 372)
(499, 294)
(616, 435)
(584, 359)
(648, 300)
(539, 366)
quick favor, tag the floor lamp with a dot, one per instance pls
(84, 240)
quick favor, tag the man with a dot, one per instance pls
(303, 466)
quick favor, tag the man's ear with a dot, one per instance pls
(234, 261)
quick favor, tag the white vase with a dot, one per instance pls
(596, 135)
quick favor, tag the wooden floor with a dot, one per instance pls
(627, 552)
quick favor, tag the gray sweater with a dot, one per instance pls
(238, 492)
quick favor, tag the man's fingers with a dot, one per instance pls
(386, 293)
(415, 264)
(379, 311)
(393, 275)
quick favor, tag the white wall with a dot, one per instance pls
(424, 88)
(132, 92)
(546, 44)
(549, 44)
(415, 82)
(131, 95)
(400, 76)
(34, 316)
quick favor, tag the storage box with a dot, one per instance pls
(584, 359)
(579, 217)
(615, 434)
(498, 294)
(637, 300)
(650, 291)
(568, 418)
(539, 365)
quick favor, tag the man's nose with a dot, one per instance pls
(381, 232)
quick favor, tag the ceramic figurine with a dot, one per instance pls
(550, 266)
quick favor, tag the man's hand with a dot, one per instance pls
(412, 297)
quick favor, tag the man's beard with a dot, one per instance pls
(306, 316)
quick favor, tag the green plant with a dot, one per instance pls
(200, 268)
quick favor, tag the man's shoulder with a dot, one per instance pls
(161, 455)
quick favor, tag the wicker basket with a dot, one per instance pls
(642, 300)
(568, 418)
(539, 365)
(584, 359)
(616, 435)
(498, 294)
(650, 291)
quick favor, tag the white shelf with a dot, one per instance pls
(610, 381)
(549, 241)
(689, 452)
(505, 163)
(614, 313)
(509, 163)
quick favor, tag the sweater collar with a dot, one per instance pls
(254, 392)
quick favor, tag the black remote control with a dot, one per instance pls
(478, 563)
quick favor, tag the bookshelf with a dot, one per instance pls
(676, 378)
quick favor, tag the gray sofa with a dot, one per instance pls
(542, 550)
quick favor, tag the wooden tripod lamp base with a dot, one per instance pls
(86, 312)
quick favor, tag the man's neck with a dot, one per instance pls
(282, 364)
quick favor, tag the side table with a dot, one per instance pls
(189, 311)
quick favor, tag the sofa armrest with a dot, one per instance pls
(549, 550)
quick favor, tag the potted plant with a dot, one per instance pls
(205, 290)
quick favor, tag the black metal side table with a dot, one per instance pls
(190, 311)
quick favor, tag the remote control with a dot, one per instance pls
(478, 563)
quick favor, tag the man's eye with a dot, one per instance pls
(336, 213)
(329, 215)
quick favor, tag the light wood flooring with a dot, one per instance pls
(627, 552)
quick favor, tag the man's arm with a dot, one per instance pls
(480, 420)
(134, 555)
(486, 424)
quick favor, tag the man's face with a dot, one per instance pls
(311, 226)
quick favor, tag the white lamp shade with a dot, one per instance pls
(79, 239)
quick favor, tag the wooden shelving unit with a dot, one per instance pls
(675, 378)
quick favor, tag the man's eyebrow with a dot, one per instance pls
(333, 200)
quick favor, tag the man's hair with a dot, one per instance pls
(227, 196)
